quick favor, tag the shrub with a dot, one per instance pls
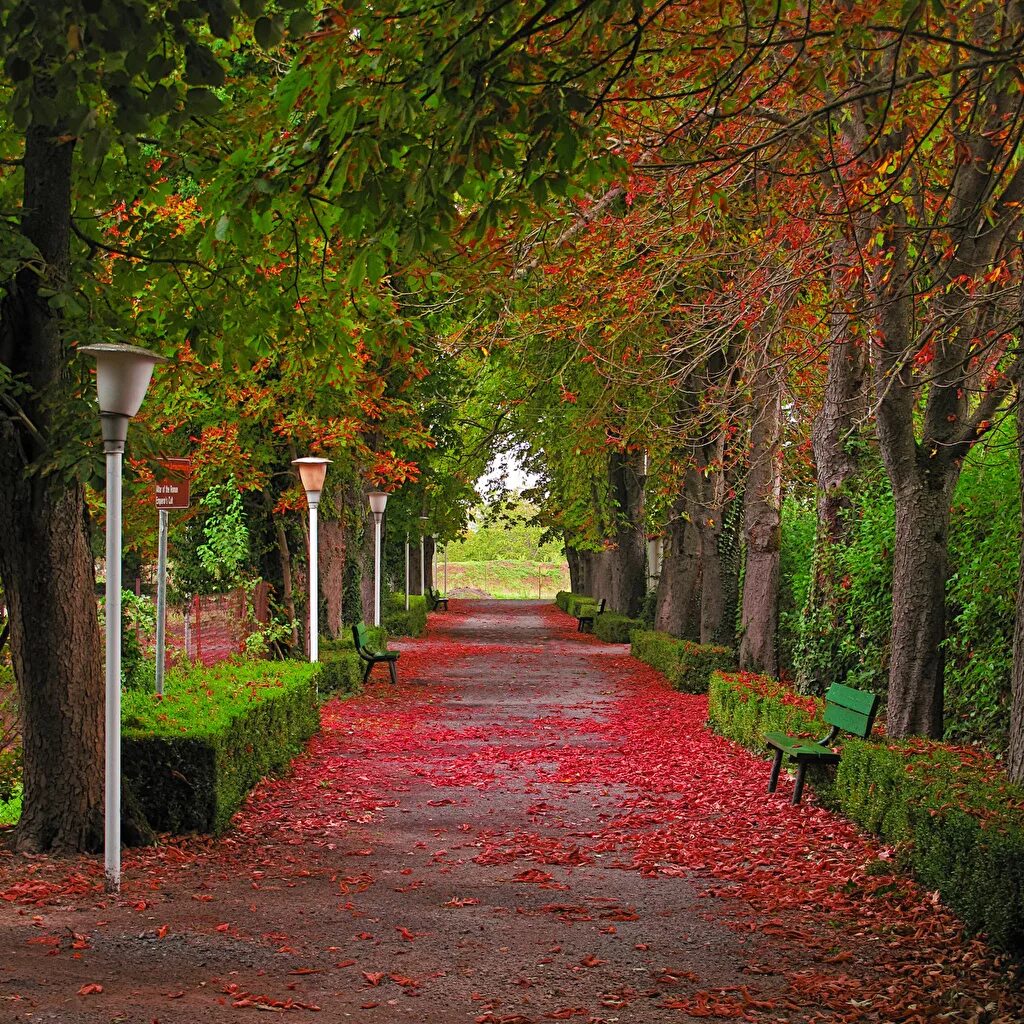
(562, 599)
(959, 821)
(686, 665)
(340, 672)
(613, 628)
(577, 602)
(192, 755)
(399, 622)
(697, 662)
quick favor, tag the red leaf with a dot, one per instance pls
(374, 977)
(91, 989)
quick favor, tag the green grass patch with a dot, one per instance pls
(510, 580)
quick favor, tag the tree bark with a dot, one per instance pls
(677, 603)
(916, 669)
(333, 541)
(628, 573)
(45, 557)
(759, 617)
(1015, 751)
(572, 557)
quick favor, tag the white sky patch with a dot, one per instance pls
(509, 466)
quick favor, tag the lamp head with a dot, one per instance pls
(378, 501)
(123, 373)
(312, 472)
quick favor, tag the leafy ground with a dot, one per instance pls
(504, 579)
(532, 827)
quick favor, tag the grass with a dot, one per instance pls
(504, 579)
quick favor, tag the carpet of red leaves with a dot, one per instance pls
(531, 827)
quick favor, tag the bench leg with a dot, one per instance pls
(394, 673)
(366, 673)
(798, 789)
(773, 782)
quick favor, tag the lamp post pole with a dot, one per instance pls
(312, 471)
(378, 502)
(406, 570)
(123, 373)
(423, 556)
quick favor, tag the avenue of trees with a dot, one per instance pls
(743, 277)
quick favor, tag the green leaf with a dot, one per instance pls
(201, 102)
(268, 32)
(201, 67)
(300, 23)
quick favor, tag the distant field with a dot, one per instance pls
(510, 580)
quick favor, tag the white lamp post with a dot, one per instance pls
(123, 373)
(423, 557)
(378, 501)
(406, 570)
(312, 471)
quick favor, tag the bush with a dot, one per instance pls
(577, 602)
(686, 665)
(562, 599)
(192, 755)
(956, 816)
(340, 672)
(399, 622)
(613, 628)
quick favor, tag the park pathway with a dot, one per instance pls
(533, 827)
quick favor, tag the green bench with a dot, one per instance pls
(586, 613)
(435, 600)
(372, 656)
(846, 710)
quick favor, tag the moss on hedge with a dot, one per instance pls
(959, 822)
(192, 755)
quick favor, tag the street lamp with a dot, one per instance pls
(423, 558)
(312, 471)
(406, 570)
(123, 373)
(378, 501)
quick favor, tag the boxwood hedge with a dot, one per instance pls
(399, 622)
(192, 755)
(613, 628)
(687, 666)
(957, 821)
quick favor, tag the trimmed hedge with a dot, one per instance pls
(577, 602)
(562, 599)
(399, 622)
(959, 822)
(192, 755)
(687, 666)
(613, 628)
(341, 672)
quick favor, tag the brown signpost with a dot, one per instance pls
(172, 483)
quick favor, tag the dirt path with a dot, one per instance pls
(532, 828)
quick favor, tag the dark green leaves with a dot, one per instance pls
(268, 32)
(201, 67)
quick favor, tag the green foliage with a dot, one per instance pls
(613, 628)
(959, 822)
(505, 534)
(138, 627)
(399, 622)
(577, 602)
(518, 580)
(984, 551)
(10, 806)
(562, 599)
(686, 665)
(341, 672)
(192, 755)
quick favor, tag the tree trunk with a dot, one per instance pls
(429, 551)
(836, 463)
(678, 587)
(628, 583)
(332, 571)
(284, 558)
(1015, 751)
(572, 557)
(759, 618)
(916, 667)
(46, 562)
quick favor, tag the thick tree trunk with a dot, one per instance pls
(628, 583)
(759, 617)
(429, 551)
(572, 557)
(836, 462)
(45, 557)
(678, 599)
(333, 543)
(284, 559)
(916, 667)
(1015, 751)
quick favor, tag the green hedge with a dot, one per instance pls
(577, 602)
(341, 672)
(686, 665)
(954, 814)
(562, 599)
(613, 628)
(192, 756)
(399, 622)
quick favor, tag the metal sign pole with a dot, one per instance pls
(161, 602)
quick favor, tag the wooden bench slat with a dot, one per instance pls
(848, 697)
(849, 721)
